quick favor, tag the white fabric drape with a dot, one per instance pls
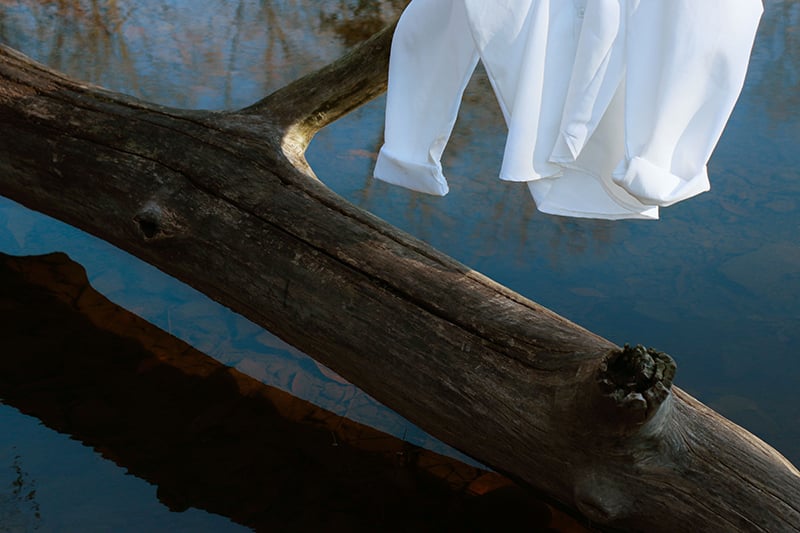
(613, 107)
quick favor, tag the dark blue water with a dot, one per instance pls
(715, 282)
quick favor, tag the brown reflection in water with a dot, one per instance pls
(355, 23)
(777, 70)
(191, 53)
(212, 438)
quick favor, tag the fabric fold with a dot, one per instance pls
(656, 185)
(597, 70)
(420, 177)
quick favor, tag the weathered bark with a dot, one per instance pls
(226, 202)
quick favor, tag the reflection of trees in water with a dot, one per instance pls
(191, 53)
(63, 33)
(775, 70)
(362, 17)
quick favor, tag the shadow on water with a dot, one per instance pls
(212, 438)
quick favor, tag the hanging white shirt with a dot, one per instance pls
(613, 107)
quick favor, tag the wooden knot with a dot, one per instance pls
(154, 222)
(636, 381)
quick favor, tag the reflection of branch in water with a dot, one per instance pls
(19, 510)
(777, 73)
(277, 42)
(210, 437)
(235, 42)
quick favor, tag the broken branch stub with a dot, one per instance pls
(635, 382)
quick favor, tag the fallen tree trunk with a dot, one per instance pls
(227, 203)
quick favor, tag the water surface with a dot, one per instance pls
(715, 282)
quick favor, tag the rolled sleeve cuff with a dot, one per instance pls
(421, 177)
(655, 185)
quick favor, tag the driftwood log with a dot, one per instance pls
(227, 203)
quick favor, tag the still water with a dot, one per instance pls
(715, 282)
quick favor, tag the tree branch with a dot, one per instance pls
(307, 105)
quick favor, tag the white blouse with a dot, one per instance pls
(613, 107)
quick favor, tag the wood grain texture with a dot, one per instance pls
(225, 203)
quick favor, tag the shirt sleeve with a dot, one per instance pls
(433, 56)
